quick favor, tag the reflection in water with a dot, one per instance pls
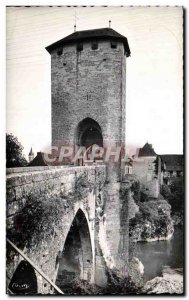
(155, 255)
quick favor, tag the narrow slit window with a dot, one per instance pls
(80, 47)
(59, 52)
(113, 45)
(94, 46)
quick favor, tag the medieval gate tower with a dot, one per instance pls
(88, 82)
(88, 87)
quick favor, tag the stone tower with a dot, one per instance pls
(88, 81)
(88, 87)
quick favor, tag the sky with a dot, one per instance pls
(154, 78)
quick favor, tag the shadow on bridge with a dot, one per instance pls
(76, 259)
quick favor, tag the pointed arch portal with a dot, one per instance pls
(89, 133)
(24, 280)
(76, 259)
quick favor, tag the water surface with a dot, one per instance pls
(156, 255)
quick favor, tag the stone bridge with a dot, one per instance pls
(69, 221)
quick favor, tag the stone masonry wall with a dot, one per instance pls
(144, 169)
(89, 83)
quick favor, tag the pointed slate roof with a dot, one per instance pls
(38, 160)
(92, 34)
(31, 152)
(147, 150)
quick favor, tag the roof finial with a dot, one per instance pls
(76, 18)
(110, 23)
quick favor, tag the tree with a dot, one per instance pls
(14, 155)
(174, 194)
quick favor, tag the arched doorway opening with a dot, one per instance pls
(76, 259)
(24, 280)
(88, 133)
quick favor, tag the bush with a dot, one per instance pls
(174, 194)
(152, 209)
(36, 220)
(153, 220)
(166, 191)
(135, 188)
(144, 197)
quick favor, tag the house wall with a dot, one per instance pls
(144, 169)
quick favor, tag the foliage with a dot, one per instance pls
(153, 209)
(144, 197)
(40, 214)
(166, 191)
(36, 220)
(82, 185)
(14, 155)
(174, 193)
(152, 221)
(135, 188)
(82, 287)
(115, 286)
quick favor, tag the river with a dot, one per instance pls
(156, 255)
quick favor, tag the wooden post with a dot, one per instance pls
(35, 267)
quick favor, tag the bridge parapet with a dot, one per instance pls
(52, 180)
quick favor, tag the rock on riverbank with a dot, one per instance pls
(136, 272)
(170, 283)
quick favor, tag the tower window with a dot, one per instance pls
(94, 45)
(59, 52)
(79, 47)
(113, 45)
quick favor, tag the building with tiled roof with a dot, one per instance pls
(38, 160)
(147, 168)
(146, 150)
(173, 164)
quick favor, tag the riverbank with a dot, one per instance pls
(171, 282)
(152, 222)
(160, 254)
(158, 238)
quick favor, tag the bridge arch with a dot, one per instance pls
(76, 259)
(24, 280)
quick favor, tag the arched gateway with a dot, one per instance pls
(76, 259)
(88, 133)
